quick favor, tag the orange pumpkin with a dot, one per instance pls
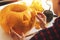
(18, 16)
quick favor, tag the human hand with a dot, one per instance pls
(42, 19)
(16, 36)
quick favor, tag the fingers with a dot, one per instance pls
(23, 37)
(41, 20)
(42, 16)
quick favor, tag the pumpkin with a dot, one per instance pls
(18, 16)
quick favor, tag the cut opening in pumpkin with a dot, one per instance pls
(19, 8)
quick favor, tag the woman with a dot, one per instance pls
(52, 33)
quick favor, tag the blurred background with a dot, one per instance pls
(7, 0)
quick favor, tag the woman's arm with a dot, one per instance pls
(52, 33)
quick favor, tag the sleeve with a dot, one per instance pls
(57, 22)
(52, 33)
